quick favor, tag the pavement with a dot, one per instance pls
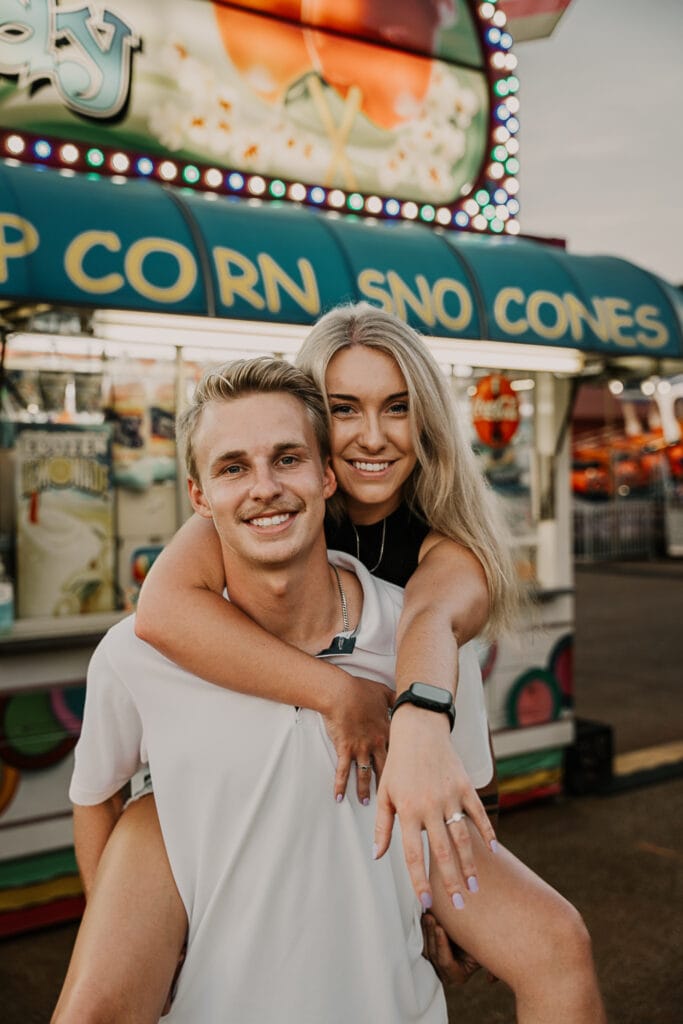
(617, 855)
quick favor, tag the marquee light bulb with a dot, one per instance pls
(120, 163)
(69, 153)
(213, 177)
(168, 170)
(15, 145)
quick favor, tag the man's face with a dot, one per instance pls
(262, 478)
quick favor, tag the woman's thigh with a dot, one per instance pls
(514, 922)
(133, 928)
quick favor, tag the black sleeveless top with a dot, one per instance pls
(405, 532)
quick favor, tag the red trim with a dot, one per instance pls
(516, 9)
(26, 919)
(528, 795)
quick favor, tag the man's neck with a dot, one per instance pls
(299, 603)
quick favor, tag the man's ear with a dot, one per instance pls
(329, 480)
(198, 500)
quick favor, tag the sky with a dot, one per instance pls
(601, 136)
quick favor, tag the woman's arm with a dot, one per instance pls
(181, 612)
(424, 781)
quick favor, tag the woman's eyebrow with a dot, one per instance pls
(354, 398)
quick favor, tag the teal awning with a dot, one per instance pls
(85, 241)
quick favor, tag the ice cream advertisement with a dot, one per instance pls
(64, 520)
(383, 96)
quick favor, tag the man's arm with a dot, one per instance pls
(92, 827)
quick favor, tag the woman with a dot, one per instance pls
(413, 498)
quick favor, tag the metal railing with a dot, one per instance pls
(614, 530)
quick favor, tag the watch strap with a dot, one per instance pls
(408, 697)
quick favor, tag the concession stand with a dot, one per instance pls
(175, 195)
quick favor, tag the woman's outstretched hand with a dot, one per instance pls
(424, 782)
(358, 726)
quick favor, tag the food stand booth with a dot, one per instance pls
(124, 273)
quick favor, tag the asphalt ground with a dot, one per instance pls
(618, 856)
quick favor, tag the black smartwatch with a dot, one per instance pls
(432, 698)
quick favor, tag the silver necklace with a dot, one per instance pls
(381, 546)
(342, 597)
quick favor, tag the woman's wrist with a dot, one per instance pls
(333, 685)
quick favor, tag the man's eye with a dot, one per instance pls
(288, 460)
(231, 470)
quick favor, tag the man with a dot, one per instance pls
(289, 917)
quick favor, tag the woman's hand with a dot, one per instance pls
(358, 726)
(452, 964)
(424, 783)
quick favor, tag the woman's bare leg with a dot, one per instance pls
(132, 932)
(527, 935)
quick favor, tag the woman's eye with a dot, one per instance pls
(399, 408)
(342, 410)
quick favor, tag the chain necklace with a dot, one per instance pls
(342, 597)
(381, 546)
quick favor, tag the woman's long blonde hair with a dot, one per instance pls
(447, 487)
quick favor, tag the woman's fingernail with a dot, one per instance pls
(458, 901)
(339, 797)
(472, 884)
(365, 801)
(375, 851)
(425, 900)
(494, 846)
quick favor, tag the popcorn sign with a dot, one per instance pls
(495, 411)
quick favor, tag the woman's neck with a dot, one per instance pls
(369, 515)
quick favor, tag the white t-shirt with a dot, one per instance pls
(290, 919)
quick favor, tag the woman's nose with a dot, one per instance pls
(372, 436)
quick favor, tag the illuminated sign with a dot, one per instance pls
(381, 108)
(495, 410)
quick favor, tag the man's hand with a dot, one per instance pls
(452, 964)
(425, 783)
(358, 726)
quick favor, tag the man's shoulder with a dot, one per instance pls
(382, 605)
(120, 645)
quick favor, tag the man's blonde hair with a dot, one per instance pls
(262, 375)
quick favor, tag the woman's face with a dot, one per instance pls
(372, 448)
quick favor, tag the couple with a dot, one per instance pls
(289, 917)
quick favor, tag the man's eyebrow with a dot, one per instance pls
(354, 398)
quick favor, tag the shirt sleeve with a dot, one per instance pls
(471, 733)
(109, 750)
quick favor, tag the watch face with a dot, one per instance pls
(434, 694)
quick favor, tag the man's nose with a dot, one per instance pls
(265, 484)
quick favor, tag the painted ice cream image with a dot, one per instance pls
(65, 534)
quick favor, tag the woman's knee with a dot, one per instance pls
(565, 952)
